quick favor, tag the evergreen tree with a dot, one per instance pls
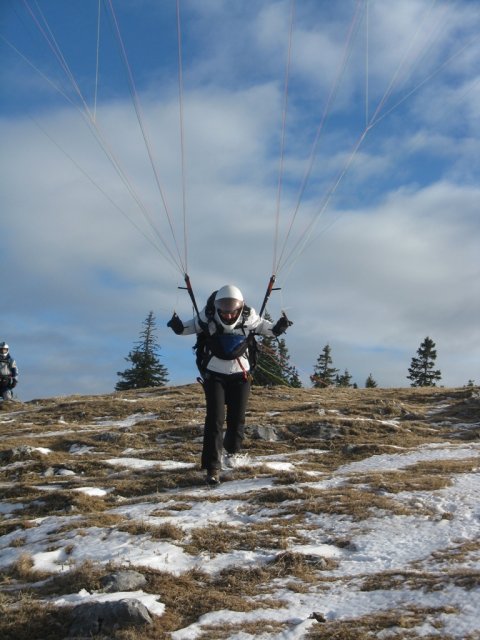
(273, 364)
(294, 378)
(289, 372)
(370, 383)
(324, 375)
(421, 371)
(345, 380)
(147, 370)
(268, 370)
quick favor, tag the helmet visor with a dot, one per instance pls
(229, 309)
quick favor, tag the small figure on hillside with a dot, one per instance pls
(225, 353)
(8, 372)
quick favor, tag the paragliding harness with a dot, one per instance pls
(7, 372)
(224, 346)
(5, 381)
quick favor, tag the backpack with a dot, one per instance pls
(223, 345)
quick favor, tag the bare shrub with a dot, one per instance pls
(22, 568)
(18, 542)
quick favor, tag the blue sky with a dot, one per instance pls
(392, 258)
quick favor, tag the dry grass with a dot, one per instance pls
(22, 568)
(224, 538)
(404, 480)
(335, 426)
(400, 623)
(151, 482)
(223, 632)
(64, 502)
(84, 576)
(346, 500)
(192, 594)
(422, 476)
(157, 532)
(298, 565)
(421, 580)
(443, 467)
(30, 619)
(463, 551)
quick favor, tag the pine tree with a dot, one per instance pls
(273, 365)
(147, 370)
(370, 383)
(268, 370)
(289, 372)
(345, 380)
(421, 371)
(324, 375)
(294, 378)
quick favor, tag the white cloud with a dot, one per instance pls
(399, 262)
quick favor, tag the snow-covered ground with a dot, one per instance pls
(438, 537)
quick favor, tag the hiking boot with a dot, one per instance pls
(213, 477)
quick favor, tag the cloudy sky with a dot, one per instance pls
(335, 145)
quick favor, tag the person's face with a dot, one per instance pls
(229, 317)
(229, 309)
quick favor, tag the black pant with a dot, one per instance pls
(221, 390)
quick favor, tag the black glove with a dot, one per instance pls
(281, 325)
(13, 383)
(175, 324)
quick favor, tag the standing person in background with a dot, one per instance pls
(226, 345)
(8, 372)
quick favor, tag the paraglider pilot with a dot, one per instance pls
(225, 350)
(8, 372)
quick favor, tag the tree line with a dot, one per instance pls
(273, 365)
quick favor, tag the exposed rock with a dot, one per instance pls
(21, 452)
(321, 431)
(123, 581)
(64, 472)
(362, 449)
(108, 436)
(92, 618)
(58, 471)
(264, 432)
(319, 617)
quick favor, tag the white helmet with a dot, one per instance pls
(3, 349)
(228, 307)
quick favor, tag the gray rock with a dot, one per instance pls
(92, 618)
(264, 432)
(21, 452)
(108, 436)
(319, 431)
(64, 472)
(123, 581)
